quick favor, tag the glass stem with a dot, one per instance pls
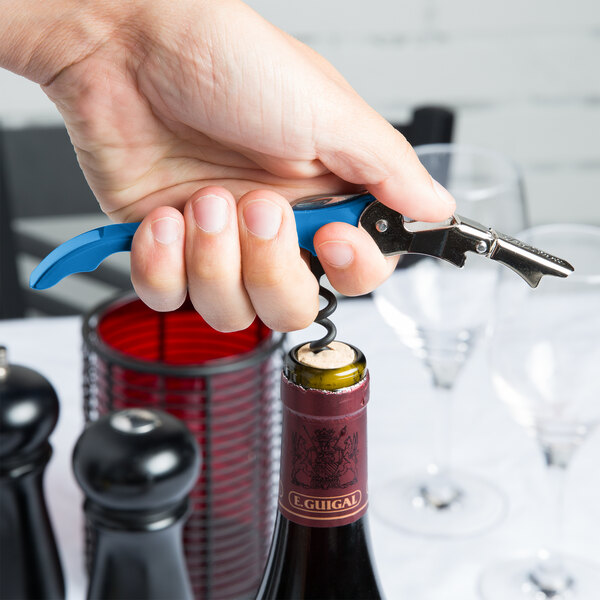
(439, 490)
(550, 574)
(444, 371)
(557, 476)
(442, 443)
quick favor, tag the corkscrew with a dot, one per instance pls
(393, 233)
(323, 315)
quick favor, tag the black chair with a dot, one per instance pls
(11, 296)
(429, 125)
(40, 177)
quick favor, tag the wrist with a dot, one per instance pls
(39, 39)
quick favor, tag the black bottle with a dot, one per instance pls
(320, 547)
(29, 563)
(136, 468)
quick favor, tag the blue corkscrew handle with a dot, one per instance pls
(86, 251)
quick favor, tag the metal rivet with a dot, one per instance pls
(481, 247)
(382, 225)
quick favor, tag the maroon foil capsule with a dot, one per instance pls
(323, 480)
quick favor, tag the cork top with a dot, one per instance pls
(319, 370)
(334, 356)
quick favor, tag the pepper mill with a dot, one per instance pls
(136, 468)
(29, 563)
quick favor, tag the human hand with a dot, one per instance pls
(203, 120)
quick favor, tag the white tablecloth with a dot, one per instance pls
(486, 443)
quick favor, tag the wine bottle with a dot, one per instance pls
(320, 547)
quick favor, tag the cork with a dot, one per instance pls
(335, 356)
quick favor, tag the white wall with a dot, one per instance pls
(23, 102)
(523, 76)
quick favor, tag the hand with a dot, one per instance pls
(204, 120)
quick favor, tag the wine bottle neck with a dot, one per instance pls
(323, 477)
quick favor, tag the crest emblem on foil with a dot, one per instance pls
(326, 459)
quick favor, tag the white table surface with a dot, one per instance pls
(486, 443)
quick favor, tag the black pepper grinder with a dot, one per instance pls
(29, 563)
(136, 468)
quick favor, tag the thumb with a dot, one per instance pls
(361, 147)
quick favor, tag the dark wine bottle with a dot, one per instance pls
(320, 547)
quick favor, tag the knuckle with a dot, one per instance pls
(290, 320)
(230, 323)
(162, 303)
(161, 282)
(211, 272)
(362, 279)
(221, 309)
(352, 287)
(159, 290)
(265, 276)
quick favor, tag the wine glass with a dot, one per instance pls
(441, 312)
(545, 356)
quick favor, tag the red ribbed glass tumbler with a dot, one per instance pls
(224, 386)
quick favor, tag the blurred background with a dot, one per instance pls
(520, 77)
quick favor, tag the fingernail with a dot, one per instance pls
(211, 213)
(166, 230)
(443, 194)
(263, 218)
(337, 254)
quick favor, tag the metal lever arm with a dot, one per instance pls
(518, 256)
(452, 240)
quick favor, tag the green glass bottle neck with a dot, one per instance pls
(310, 377)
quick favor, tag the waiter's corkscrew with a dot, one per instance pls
(391, 231)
